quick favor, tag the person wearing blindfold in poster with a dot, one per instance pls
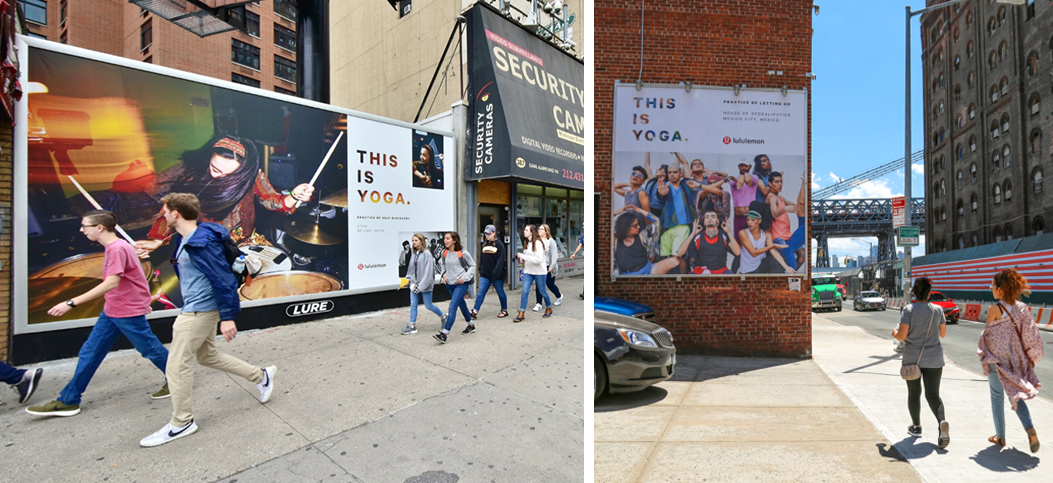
(127, 301)
(427, 168)
(759, 252)
(708, 246)
(225, 176)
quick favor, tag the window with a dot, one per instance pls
(1035, 104)
(1004, 86)
(35, 35)
(1036, 141)
(943, 214)
(994, 94)
(286, 9)
(943, 188)
(1030, 9)
(996, 162)
(955, 34)
(1038, 227)
(935, 191)
(1003, 51)
(992, 60)
(1008, 189)
(284, 38)
(961, 180)
(149, 60)
(972, 114)
(284, 91)
(1036, 179)
(36, 11)
(975, 238)
(961, 241)
(284, 68)
(1008, 231)
(996, 233)
(969, 19)
(994, 130)
(991, 26)
(997, 194)
(972, 201)
(957, 93)
(957, 63)
(961, 208)
(942, 133)
(64, 37)
(146, 35)
(62, 11)
(972, 172)
(240, 79)
(1001, 16)
(1032, 63)
(1005, 122)
(941, 79)
(1005, 155)
(941, 104)
(244, 54)
(972, 144)
(969, 50)
(252, 24)
(958, 150)
(971, 79)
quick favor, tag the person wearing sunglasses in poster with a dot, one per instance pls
(706, 250)
(226, 177)
(634, 191)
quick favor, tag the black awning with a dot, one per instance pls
(526, 105)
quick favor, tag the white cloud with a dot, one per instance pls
(815, 180)
(918, 169)
(878, 188)
(834, 178)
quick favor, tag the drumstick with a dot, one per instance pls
(98, 207)
(319, 170)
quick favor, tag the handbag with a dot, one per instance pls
(910, 372)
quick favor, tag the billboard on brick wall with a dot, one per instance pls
(709, 182)
(526, 105)
(98, 130)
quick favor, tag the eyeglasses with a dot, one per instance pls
(636, 174)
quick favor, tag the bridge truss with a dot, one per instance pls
(859, 218)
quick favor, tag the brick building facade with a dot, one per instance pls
(986, 71)
(717, 43)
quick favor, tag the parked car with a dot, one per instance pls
(624, 307)
(950, 311)
(869, 300)
(844, 293)
(630, 353)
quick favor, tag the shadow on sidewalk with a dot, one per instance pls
(917, 449)
(997, 458)
(621, 402)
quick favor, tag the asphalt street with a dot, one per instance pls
(959, 346)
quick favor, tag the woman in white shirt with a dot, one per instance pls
(551, 259)
(534, 257)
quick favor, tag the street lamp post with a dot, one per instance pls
(868, 242)
(907, 140)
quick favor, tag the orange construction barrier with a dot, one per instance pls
(972, 312)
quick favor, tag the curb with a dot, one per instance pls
(976, 311)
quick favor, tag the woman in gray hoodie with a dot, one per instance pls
(458, 269)
(421, 274)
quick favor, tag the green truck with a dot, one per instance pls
(825, 294)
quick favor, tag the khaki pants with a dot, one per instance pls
(194, 336)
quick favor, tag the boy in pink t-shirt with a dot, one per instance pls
(127, 299)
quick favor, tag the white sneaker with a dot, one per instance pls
(537, 308)
(559, 300)
(266, 386)
(168, 433)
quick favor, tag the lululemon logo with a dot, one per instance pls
(727, 140)
(360, 266)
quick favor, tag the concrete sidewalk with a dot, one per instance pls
(354, 402)
(741, 420)
(866, 369)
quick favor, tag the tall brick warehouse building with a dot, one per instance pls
(986, 74)
(714, 43)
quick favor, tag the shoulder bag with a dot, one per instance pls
(910, 372)
(1019, 332)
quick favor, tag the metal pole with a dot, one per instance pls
(906, 157)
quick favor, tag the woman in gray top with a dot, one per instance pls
(458, 270)
(922, 325)
(420, 271)
(551, 261)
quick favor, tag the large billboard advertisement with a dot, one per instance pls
(526, 105)
(97, 131)
(708, 181)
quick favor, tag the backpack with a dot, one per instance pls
(231, 252)
(460, 257)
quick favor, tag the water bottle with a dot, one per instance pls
(239, 264)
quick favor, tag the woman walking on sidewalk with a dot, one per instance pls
(491, 271)
(1009, 348)
(551, 258)
(533, 258)
(458, 268)
(923, 348)
(421, 274)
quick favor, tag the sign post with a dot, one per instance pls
(899, 211)
(909, 236)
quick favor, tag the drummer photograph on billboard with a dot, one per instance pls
(273, 173)
(427, 160)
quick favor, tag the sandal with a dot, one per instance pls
(996, 440)
(1032, 437)
(502, 314)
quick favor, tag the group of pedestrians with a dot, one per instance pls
(210, 299)
(1009, 347)
(457, 268)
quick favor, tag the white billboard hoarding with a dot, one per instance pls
(708, 181)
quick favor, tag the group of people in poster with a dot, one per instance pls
(685, 218)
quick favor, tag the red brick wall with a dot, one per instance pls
(719, 43)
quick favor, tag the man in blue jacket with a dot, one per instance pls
(210, 297)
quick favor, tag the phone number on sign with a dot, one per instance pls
(574, 175)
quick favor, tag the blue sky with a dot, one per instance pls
(858, 100)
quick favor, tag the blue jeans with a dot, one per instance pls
(99, 343)
(789, 254)
(998, 409)
(10, 375)
(457, 293)
(484, 286)
(416, 298)
(529, 279)
(550, 282)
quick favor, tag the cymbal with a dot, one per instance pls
(44, 293)
(307, 231)
(336, 199)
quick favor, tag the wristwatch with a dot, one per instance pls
(71, 303)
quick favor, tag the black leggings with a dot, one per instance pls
(931, 378)
(550, 282)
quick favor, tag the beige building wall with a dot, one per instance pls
(382, 64)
